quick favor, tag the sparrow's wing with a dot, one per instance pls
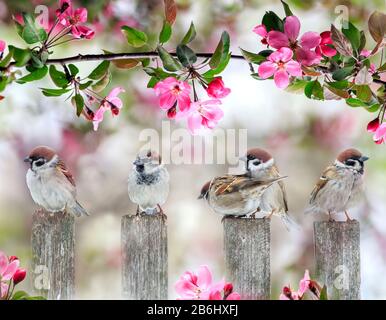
(63, 169)
(327, 175)
(235, 183)
(282, 187)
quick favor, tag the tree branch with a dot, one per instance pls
(123, 55)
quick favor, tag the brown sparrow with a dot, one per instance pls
(341, 185)
(51, 184)
(261, 165)
(235, 195)
(148, 183)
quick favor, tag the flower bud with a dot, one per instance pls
(172, 112)
(19, 276)
(12, 258)
(373, 125)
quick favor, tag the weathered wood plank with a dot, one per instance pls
(337, 255)
(53, 255)
(247, 245)
(144, 258)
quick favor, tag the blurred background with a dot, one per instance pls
(303, 135)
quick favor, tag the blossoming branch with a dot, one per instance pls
(333, 64)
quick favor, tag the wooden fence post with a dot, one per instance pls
(247, 245)
(53, 255)
(144, 258)
(337, 255)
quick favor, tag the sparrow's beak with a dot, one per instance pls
(364, 158)
(243, 158)
(138, 162)
(27, 159)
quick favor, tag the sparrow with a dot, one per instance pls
(235, 195)
(51, 184)
(261, 165)
(148, 183)
(340, 186)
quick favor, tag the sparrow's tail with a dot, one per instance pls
(289, 223)
(77, 210)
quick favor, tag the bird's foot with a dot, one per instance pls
(330, 218)
(164, 217)
(348, 219)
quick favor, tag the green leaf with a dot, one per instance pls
(190, 35)
(59, 78)
(341, 43)
(37, 74)
(85, 85)
(221, 52)
(362, 43)
(54, 92)
(271, 21)
(7, 59)
(353, 35)
(152, 82)
(377, 26)
(31, 34)
(20, 295)
(314, 90)
(323, 293)
(287, 9)
(373, 108)
(99, 71)
(354, 102)
(186, 55)
(343, 84)
(168, 61)
(342, 73)
(297, 86)
(21, 56)
(135, 37)
(73, 69)
(36, 59)
(102, 83)
(78, 102)
(158, 73)
(253, 57)
(220, 68)
(166, 32)
(383, 67)
(363, 93)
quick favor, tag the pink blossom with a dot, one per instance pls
(288, 294)
(202, 114)
(280, 65)
(228, 293)
(19, 276)
(7, 271)
(262, 32)
(324, 47)
(110, 102)
(74, 18)
(2, 46)
(302, 48)
(380, 134)
(197, 286)
(304, 285)
(216, 89)
(365, 53)
(171, 91)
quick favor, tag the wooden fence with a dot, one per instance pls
(145, 257)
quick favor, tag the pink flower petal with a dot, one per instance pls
(4, 289)
(260, 30)
(167, 100)
(281, 79)
(2, 46)
(285, 54)
(10, 270)
(215, 295)
(267, 69)
(194, 123)
(204, 279)
(283, 297)
(80, 15)
(183, 101)
(325, 37)
(292, 27)
(310, 40)
(234, 296)
(328, 51)
(293, 68)
(277, 39)
(185, 289)
(304, 283)
(115, 92)
(307, 57)
(381, 132)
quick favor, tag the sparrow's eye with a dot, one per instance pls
(256, 162)
(350, 162)
(39, 162)
(250, 157)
